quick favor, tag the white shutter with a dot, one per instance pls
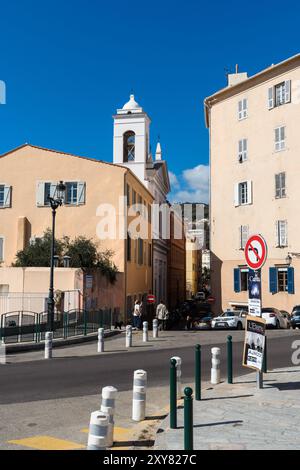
(236, 195)
(1, 249)
(249, 192)
(40, 194)
(283, 233)
(277, 240)
(7, 196)
(244, 235)
(240, 109)
(287, 94)
(81, 192)
(53, 187)
(271, 98)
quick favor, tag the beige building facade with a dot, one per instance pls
(95, 206)
(255, 168)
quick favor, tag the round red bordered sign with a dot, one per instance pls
(255, 252)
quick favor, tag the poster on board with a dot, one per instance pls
(254, 343)
(254, 288)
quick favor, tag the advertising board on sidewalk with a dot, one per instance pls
(254, 343)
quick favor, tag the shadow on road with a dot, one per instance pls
(285, 386)
(220, 423)
(226, 398)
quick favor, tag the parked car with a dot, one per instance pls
(204, 323)
(200, 296)
(274, 318)
(295, 319)
(234, 319)
(296, 307)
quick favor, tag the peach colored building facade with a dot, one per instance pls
(24, 213)
(176, 265)
(255, 167)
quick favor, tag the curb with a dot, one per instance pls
(58, 342)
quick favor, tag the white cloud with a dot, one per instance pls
(194, 185)
(173, 180)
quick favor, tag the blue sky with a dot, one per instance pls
(68, 65)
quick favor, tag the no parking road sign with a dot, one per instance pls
(255, 252)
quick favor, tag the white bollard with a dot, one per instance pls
(128, 336)
(48, 344)
(100, 340)
(155, 328)
(139, 395)
(98, 431)
(108, 407)
(3, 353)
(178, 375)
(215, 366)
(145, 331)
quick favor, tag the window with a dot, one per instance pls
(280, 185)
(5, 196)
(140, 251)
(281, 233)
(133, 197)
(128, 247)
(74, 195)
(279, 94)
(1, 249)
(243, 193)
(150, 255)
(279, 138)
(243, 109)
(128, 194)
(244, 279)
(129, 146)
(244, 235)
(282, 280)
(243, 150)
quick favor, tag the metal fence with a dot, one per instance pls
(26, 326)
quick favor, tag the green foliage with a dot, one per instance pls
(83, 253)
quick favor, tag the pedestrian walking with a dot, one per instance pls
(162, 315)
(137, 315)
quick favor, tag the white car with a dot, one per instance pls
(233, 319)
(274, 318)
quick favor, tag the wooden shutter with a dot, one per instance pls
(81, 192)
(277, 185)
(236, 280)
(236, 195)
(290, 279)
(53, 187)
(273, 288)
(287, 93)
(249, 192)
(40, 194)
(240, 110)
(7, 196)
(271, 98)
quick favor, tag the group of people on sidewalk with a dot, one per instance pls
(162, 315)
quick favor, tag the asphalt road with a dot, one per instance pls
(80, 376)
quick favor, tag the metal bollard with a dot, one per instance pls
(3, 353)
(48, 344)
(188, 419)
(100, 340)
(98, 431)
(229, 359)
(178, 375)
(173, 394)
(215, 366)
(265, 365)
(109, 395)
(139, 395)
(155, 328)
(145, 331)
(198, 371)
(128, 336)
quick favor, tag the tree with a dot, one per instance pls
(83, 253)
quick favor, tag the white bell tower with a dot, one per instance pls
(131, 137)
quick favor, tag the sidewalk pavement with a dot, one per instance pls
(240, 416)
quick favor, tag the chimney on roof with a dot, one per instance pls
(237, 77)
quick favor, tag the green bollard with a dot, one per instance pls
(229, 359)
(265, 366)
(188, 419)
(173, 397)
(198, 371)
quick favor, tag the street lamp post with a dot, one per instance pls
(55, 201)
